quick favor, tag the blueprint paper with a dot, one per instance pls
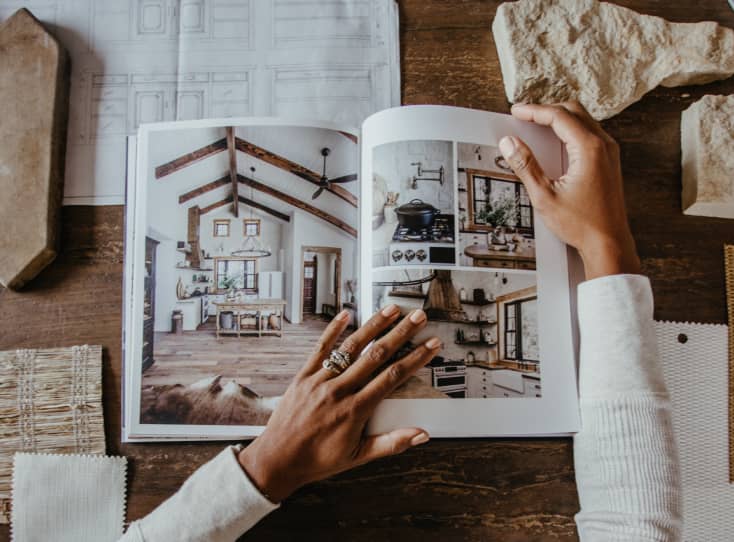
(136, 61)
(695, 365)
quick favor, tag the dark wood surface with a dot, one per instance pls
(508, 490)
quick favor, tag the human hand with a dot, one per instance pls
(585, 207)
(318, 428)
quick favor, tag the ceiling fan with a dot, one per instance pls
(324, 182)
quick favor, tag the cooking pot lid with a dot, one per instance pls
(416, 206)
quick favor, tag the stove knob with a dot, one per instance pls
(397, 255)
(409, 255)
(421, 255)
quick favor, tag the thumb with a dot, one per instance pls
(526, 167)
(392, 443)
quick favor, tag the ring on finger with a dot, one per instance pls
(337, 362)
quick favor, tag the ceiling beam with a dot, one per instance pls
(215, 205)
(292, 167)
(254, 204)
(295, 202)
(350, 137)
(264, 208)
(232, 152)
(190, 158)
(203, 189)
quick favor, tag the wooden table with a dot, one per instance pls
(256, 307)
(490, 490)
(483, 256)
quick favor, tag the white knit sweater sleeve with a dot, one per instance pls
(626, 459)
(216, 504)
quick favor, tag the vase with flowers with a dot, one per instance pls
(499, 213)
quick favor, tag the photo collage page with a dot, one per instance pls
(453, 234)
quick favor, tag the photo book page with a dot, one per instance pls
(447, 227)
(244, 237)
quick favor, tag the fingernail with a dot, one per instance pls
(507, 146)
(433, 343)
(390, 310)
(343, 315)
(420, 438)
(417, 316)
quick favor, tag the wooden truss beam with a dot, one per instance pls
(229, 199)
(190, 158)
(295, 202)
(203, 189)
(350, 137)
(292, 167)
(232, 152)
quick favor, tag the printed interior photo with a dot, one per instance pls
(413, 221)
(487, 321)
(495, 216)
(250, 251)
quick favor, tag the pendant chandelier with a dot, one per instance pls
(252, 247)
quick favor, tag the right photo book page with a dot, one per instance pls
(448, 228)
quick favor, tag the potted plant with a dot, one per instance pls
(501, 212)
(228, 283)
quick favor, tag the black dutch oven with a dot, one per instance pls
(416, 214)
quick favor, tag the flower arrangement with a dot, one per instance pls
(501, 211)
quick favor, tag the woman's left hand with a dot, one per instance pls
(318, 429)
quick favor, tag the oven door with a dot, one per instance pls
(449, 380)
(439, 254)
(456, 394)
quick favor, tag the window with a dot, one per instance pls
(483, 188)
(221, 227)
(251, 227)
(236, 273)
(521, 330)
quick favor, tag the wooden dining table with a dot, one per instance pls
(508, 490)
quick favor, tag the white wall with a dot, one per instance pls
(310, 231)
(393, 163)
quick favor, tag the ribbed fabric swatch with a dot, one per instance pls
(68, 498)
(695, 366)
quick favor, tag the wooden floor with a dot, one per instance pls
(264, 364)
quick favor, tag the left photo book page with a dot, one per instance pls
(241, 245)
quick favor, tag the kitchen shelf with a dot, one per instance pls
(474, 343)
(193, 268)
(478, 303)
(465, 322)
(409, 295)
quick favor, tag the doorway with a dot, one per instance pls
(310, 282)
(320, 281)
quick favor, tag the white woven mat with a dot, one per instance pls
(695, 363)
(68, 498)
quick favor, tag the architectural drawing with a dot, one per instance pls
(136, 61)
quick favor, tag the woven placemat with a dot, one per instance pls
(729, 271)
(50, 402)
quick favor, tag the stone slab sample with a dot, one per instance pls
(605, 56)
(34, 90)
(707, 157)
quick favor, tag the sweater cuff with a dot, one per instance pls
(218, 502)
(618, 345)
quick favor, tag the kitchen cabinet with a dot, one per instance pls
(191, 309)
(479, 383)
(501, 391)
(531, 387)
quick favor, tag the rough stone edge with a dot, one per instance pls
(57, 161)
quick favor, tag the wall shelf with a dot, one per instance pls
(478, 303)
(474, 343)
(409, 295)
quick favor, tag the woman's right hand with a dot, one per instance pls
(585, 207)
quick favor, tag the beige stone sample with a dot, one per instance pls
(605, 56)
(34, 84)
(707, 157)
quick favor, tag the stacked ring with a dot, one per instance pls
(337, 362)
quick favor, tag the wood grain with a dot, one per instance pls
(191, 157)
(489, 490)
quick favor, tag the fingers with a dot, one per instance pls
(391, 443)
(382, 350)
(577, 109)
(396, 374)
(526, 167)
(326, 344)
(567, 126)
(356, 342)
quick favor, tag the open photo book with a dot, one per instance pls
(244, 237)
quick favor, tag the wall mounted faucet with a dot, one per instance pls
(421, 172)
